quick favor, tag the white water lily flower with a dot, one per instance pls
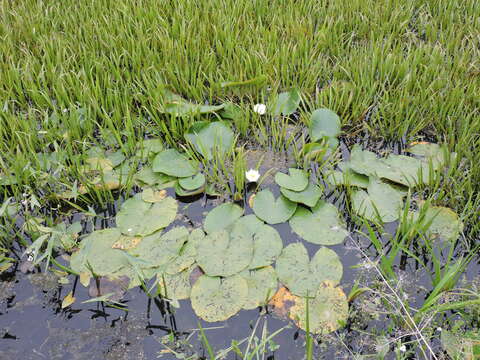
(403, 348)
(252, 175)
(260, 109)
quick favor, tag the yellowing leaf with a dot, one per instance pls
(126, 242)
(68, 300)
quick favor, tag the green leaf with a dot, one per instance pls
(461, 346)
(270, 210)
(209, 136)
(442, 223)
(324, 123)
(347, 177)
(287, 102)
(178, 106)
(320, 226)
(308, 197)
(224, 253)
(171, 162)
(401, 169)
(327, 310)
(267, 246)
(431, 153)
(182, 192)
(222, 216)
(296, 181)
(302, 276)
(175, 286)
(255, 81)
(96, 251)
(215, 299)
(193, 182)
(137, 217)
(262, 285)
(187, 253)
(146, 176)
(160, 250)
(381, 202)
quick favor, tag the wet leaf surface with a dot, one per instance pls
(216, 299)
(171, 162)
(302, 276)
(222, 217)
(320, 226)
(262, 285)
(308, 197)
(271, 210)
(296, 180)
(206, 136)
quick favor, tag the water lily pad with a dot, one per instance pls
(320, 226)
(267, 246)
(251, 222)
(324, 123)
(347, 176)
(302, 276)
(296, 181)
(182, 192)
(206, 136)
(308, 197)
(175, 286)
(187, 253)
(171, 162)
(431, 153)
(192, 182)
(381, 202)
(287, 102)
(149, 147)
(139, 218)
(461, 346)
(282, 301)
(222, 216)
(96, 253)
(224, 253)
(126, 242)
(159, 250)
(215, 299)
(273, 211)
(262, 285)
(401, 169)
(146, 176)
(152, 196)
(328, 310)
(442, 223)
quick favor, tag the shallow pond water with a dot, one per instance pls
(34, 326)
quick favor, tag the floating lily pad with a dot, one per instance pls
(461, 346)
(324, 123)
(149, 147)
(431, 153)
(251, 222)
(442, 223)
(149, 177)
(182, 192)
(381, 202)
(287, 102)
(347, 177)
(321, 226)
(401, 169)
(302, 276)
(193, 182)
(187, 253)
(273, 211)
(267, 246)
(262, 285)
(282, 301)
(225, 253)
(206, 136)
(175, 286)
(296, 181)
(308, 197)
(215, 299)
(171, 162)
(152, 196)
(328, 310)
(126, 242)
(176, 105)
(160, 250)
(137, 217)
(222, 216)
(96, 253)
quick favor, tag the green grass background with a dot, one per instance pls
(393, 68)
